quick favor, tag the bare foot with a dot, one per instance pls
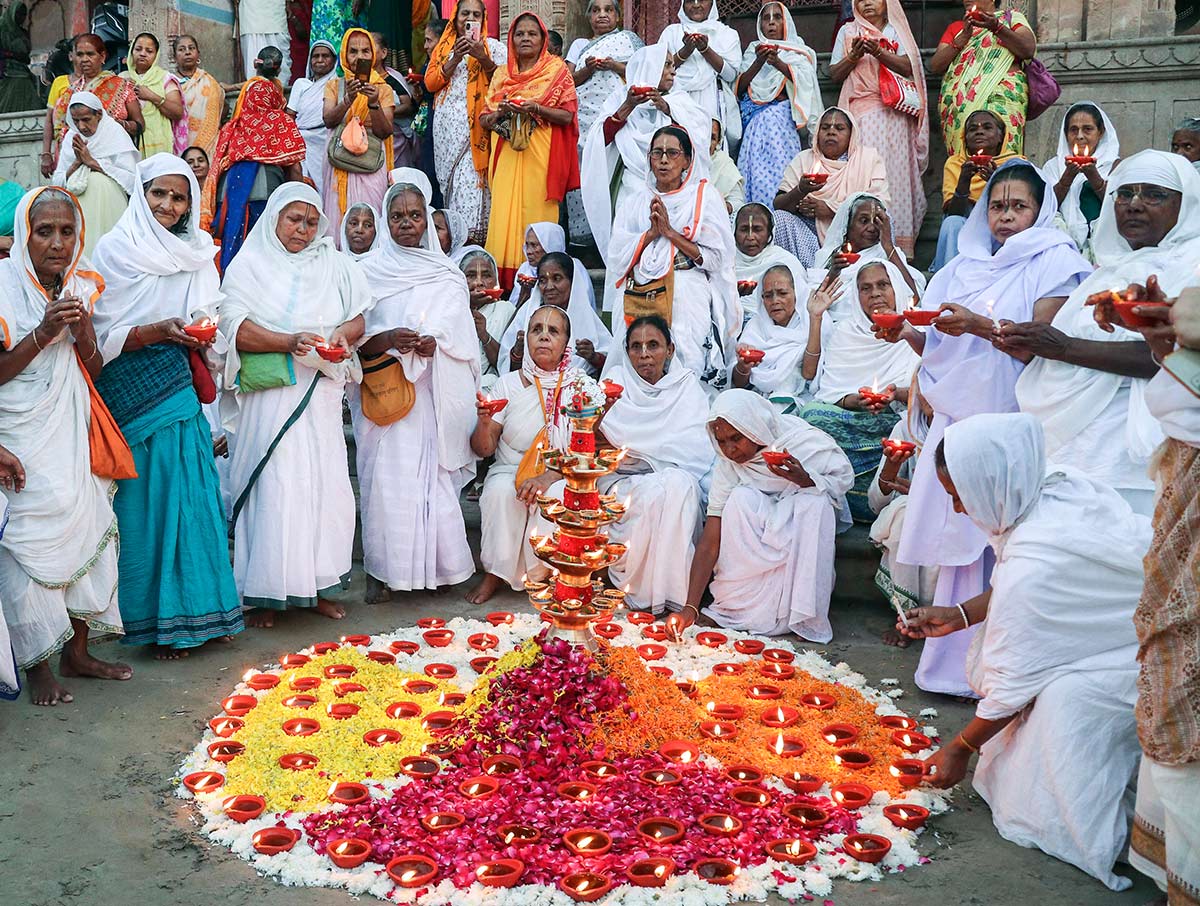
(75, 663)
(485, 589)
(330, 609)
(377, 592)
(44, 689)
(895, 639)
(259, 618)
(167, 653)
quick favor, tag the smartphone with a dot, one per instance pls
(473, 30)
(1184, 366)
(362, 69)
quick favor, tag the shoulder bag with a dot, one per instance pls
(387, 393)
(532, 464)
(354, 148)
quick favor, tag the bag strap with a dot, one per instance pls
(542, 397)
(262, 463)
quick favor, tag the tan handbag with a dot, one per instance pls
(387, 393)
(652, 298)
(532, 465)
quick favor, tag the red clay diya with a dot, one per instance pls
(244, 808)
(225, 751)
(750, 796)
(749, 646)
(851, 796)
(744, 773)
(585, 886)
(794, 851)
(652, 652)
(483, 641)
(718, 729)
(650, 872)
(381, 737)
(600, 770)
(526, 279)
(494, 406)
(745, 287)
(482, 664)
(348, 852)
(343, 689)
(224, 727)
(203, 782)
(239, 705)
(356, 641)
(411, 870)
(854, 759)
(332, 353)
(659, 777)
(656, 632)
(839, 734)
(340, 671)
(728, 669)
(325, 647)
(779, 656)
(665, 672)
(819, 178)
(301, 726)
(271, 841)
(712, 639)
(431, 623)
(501, 765)
(587, 841)
(438, 721)
(293, 660)
(518, 833)
(438, 749)
(848, 255)
(807, 816)
(479, 787)
(897, 722)
(909, 817)
(798, 782)
(381, 657)
(909, 771)
(345, 792)
(779, 717)
(400, 646)
(438, 822)
(300, 701)
(612, 390)
(1125, 311)
(440, 671)
(871, 396)
(341, 710)
(639, 618)
(298, 761)
(717, 871)
(419, 766)
(607, 630)
(898, 446)
(305, 683)
(980, 159)
(720, 824)
(751, 356)
(818, 702)
(403, 710)
(660, 829)
(788, 746)
(419, 686)
(687, 687)
(679, 751)
(866, 847)
(911, 740)
(499, 872)
(921, 317)
(777, 671)
(493, 292)
(888, 319)
(500, 618)
(205, 331)
(579, 790)
(724, 711)
(438, 638)
(262, 681)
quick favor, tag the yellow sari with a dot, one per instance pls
(204, 99)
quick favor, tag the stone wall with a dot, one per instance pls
(20, 144)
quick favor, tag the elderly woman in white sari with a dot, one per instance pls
(1085, 384)
(862, 380)
(541, 238)
(1055, 660)
(307, 101)
(362, 231)
(451, 232)
(1086, 132)
(675, 235)
(532, 416)
(597, 65)
(58, 554)
(420, 345)
(706, 53)
(96, 165)
(491, 313)
(659, 419)
(1013, 265)
(757, 252)
(161, 278)
(773, 505)
(293, 510)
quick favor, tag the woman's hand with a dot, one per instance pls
(145, 94)
(678, 622)
(481, 330)
(808, 186)
(1034, 338)
(660, 220)
(791, 469)
(477, 49)
(696, 41)
(301, 344)
(425, 346)
(353, 88)
(931, 622)
(370, 92)
(517, 355)
(807, 208)
(824, 296)
(634, 98)
(82, 154)
(338, 338)
(858, 48)
(171, 330)
(532, 488)
(403, 339)
(47, 164)
(59, 315)
(483, 409)
(12, 473)
(461, 49)
(894, 484)
(1161, 334)
(948, 765)
(586, 350)
(961, 320)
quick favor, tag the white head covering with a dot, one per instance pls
(695, 74)
(380, 230)
(138, 253)
(753, 268)
(1106, 154)
(853, 356)
(457, 224)
(110, 145)
(783, 346)
(558, 433)
(836, 238)
(552, 238)
(308, 94)
(802, 89)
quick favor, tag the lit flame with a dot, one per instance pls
(831, 737)
(711, 706)
(907, 739)
(685, 756)
(332, 787)
(341, 848)
(779, 744)
(728, 823)
(779, 715)
(586, 842)
(793, 848)
(660, 870)
(409, 875)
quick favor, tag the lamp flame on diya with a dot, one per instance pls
(787, 746)
(499, 872)
(717, 871)
(347, 852)
(270, 841)
(794, 851)
(587, 841)
(518, 833)
(906, 816)
(911, 741)
(411, 870)
(438, 822)
(660, 829)
(650, 872)
(720, 824)
(585, 886)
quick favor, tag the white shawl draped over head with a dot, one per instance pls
(695, 73)
(783, 346)
(837, 236)
(801, 60)
(753, 267)
(630, 148)
(1106, 154)
(457, 225)
(558, 426)
(423, 290)
(552, 238)
(1068, 568)
(139, 252)
(110, 145)
(853, 356)
(314, 290)
(380, 231)
(308, 94)
(1066, 398)
(664, 423)
(757, 419)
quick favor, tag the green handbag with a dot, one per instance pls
(265, 371)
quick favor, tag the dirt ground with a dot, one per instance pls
(87, 814)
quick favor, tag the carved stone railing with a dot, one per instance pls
(20, 144)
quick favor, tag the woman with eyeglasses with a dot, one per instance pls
(1088, 373)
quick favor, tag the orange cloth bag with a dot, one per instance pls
(111, 456)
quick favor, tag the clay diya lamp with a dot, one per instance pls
(239, 705)
(819, 178)
(499, 872)
(607, 631)
(921, 317)
(728, 669)
(794, 851)
(452, 699)
(660, 829)
(750, 796)
(403, 710)
(494, 406)
(887, 319)
(718, 729)
(438, 749)
(383, 736)
(746, 287)
(381, 657)
(479, 787)
(340, 671)
(401, 646)
(870, 395)
(271, 841)
(437, 722)
(744, 774)
(979, 159)
(482, 664)
(356, 641)
(243, 808)
(347, 852)
(500, 618)
(225, 751)
(717, 871)
(799, 782)
(659, 777)
(751, 356)
(775, 458)
(612, 390)
(656, 632)
(341, 710)
(224, 727)
(493, 292)
(600, 771)
(203, 782)
(911, 740)
(851, 796)
(325, 647)
(764, 692)
(848, 255)
(303, 700)
(585, 886)
(302, 726)
(652, 652)
(431, 623)
(749, 646)
(866, 847)
(899, 446)
(260, 682)
(293, 660)
(411, 870)
(438, 638)
(679, 751)
(724, 711)
(521, 834)
(441, 671)
(807, 816)
(643, 91)
(501, 765)
(665, 672)
(1130, 318)
(779, 655)
(787, 746)
(779, 717)
(346, 793)
(587, 841)
(205, 331)
(439, 822)
(332, 353)
(578, 790)
(712, 639)
(909, 771)
(854, 759)
(298, 761)
(419, 687)
(305, 683)
(777, 671)
(483, 641)
(419, 767)
(719, 824)
(650, 872)
(909, 817)
(343, 689)
(818, 702)
(687, 687)
(839, 734)
(639, 618)
(526, 280)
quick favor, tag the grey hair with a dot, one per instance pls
(407, 187)
(1188, 124)
(51, 196)
(616, 3)
(477, 253)
(780, 269)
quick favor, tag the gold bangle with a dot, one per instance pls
(36, 345)
(974, 750)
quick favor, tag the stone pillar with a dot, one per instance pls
(1104, 20)
(552, 12)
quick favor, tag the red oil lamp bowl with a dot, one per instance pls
(723, 711)
(419, 687)
(325, 647)
(651, 872)
(777, 671)
(1125, 310)
(340, 671)
(403, 710)
(687, 687)
(347, 793)
(263, 681)
(203, 782)
(909, 771)
(400, 646)
(717, 871)
(819, 178)
(499, 872)
(585, 886)
(305, 683)
(638, 618)
(909, 817)
(744, 773)
(794, 851)
(980, 159)
(438, 749)
(500, 618)
(749, 646)
(343, 689)
(750, 796)
(747, 286)
(521, 834)
(866, 847)
(921, 317)
(818, 702)
(304, 700)
(224, 727)
(205, 332)
(587, 841)
(897, 722)
(712, 639)
(652, 652)
(751, 356)
(483, 641)
(787, 746)
(293, 660)
(613, 390)
(911, 740)
(301, 726)
(1080, 160)
(439, 822)
(643, 91)
(298, 761)
(799, 782)
(526, 279)
(718, 729)
(854, 759)
(332, 353)
(341, 710)
(479, 787)
(660, 829)
(356, 641)
(493, 292)
(579, 790)
(381, 657)
(771, 458)
(680, 751)
(482, 664)
(720, 824)
(453, 699)
(779, 655)
(898, 446)
(239, 705)
(600, 771)
(420, 767)
(383, 736)
(347, 852)
(437, 722)
(807, 816)
(659, 777)
(888, 319)
(440, 671)
(496, 405)
(271, 841)
(664, 672)
(656, 632)
(780, 716)
(411, 870)
(728, 669)
(501, 765)
(851, 796)
(225, 751)
(438, 638)
(431, 623)
(839, 734)
(244, 808)
(607, 630)
(849, 257)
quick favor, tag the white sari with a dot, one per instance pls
(380, 231)
(497, 315)
(58, 553)
(774, 573)
(293, 538)
(711, 90)
(308, 101)
(413, 530)
(753, 267)
(1107, 152)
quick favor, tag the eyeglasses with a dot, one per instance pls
(1152, 196)
(672, 154)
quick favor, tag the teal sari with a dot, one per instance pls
(860, 435)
